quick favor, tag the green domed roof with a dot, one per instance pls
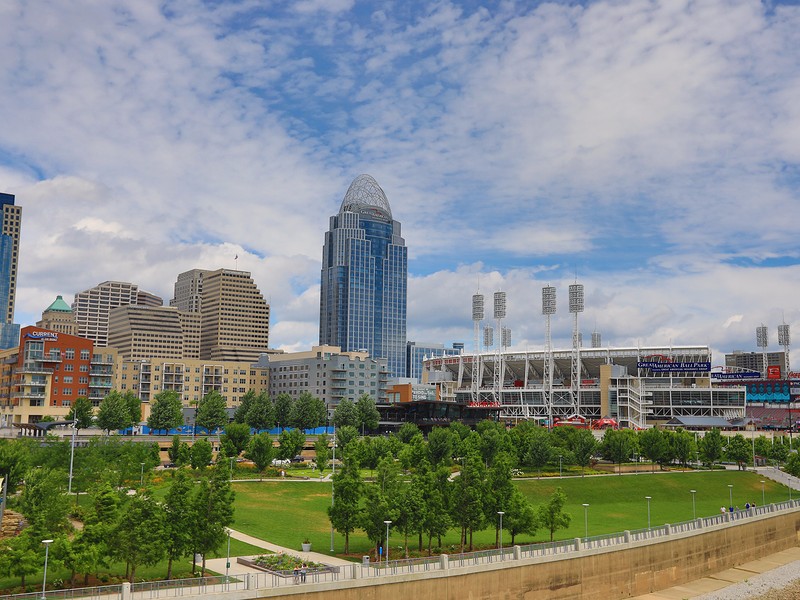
(59, 305)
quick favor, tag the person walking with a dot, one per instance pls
(296, 573)
(303, 571)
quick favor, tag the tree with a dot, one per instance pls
(368, 415)
(344, 511)
(551, 514)
(260, 451)
(653, 444)
(179, 452)
(344, 435)
(133, 407)
(407, 432)
(499, 490)
(792, 466)
(683, 446)
(19, 559)
(520, 517)
(493, 440)
(711, 447)
(283, 409)
(261, 414)
(468, 495)
(235, 439)
(166, 411)
(739, 450)
(440, 446)
(44, 501)
(201, 454)
(139, 538)
(291, 443)
(213, 512)
(345, 414)
(410, 511)
(308, 412)
(240, 414)
(82, 412)
(178, 523)
(583, 446)
(113, 413)
(437, 520)
(616, 446)
(322, 451)
(540, 450)
(211, 412)
(15, 459)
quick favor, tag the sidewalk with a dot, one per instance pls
(218, 564)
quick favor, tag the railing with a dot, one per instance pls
(270, 580)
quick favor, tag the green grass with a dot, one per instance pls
(284, 513)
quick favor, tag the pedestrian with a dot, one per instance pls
(303, 571)
(296, 573)
(747, 506)
(722, 510)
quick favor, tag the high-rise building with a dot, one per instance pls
(364, 278)
(145, 332)
(234, 316)
(91, 307)
(416, 352)
(754, 361)
(59, 317)
(9, 259)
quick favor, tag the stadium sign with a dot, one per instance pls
(674, 367)
(741, 375)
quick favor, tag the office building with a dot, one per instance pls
(59, 317)
(754, 361)
(416, 352)
(364, 278)
(328, 373)
(234, 316)
(91, 307)
(9, 260)
(145, 332)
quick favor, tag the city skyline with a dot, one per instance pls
(649, 150)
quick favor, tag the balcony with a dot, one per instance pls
(34, 370)
(102, 360)
(99, 384)
(100, 372)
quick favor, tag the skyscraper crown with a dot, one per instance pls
(364, 196)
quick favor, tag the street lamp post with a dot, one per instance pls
(559, 466)
(228, 556)
(501, 513)
(694, 506)
(72, 455)
(730, 496)
(387, 542)
(46, 555)
(585, 520)
(230, 467)
(763, 494)
(141, 476)
(648, 498)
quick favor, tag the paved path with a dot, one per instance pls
(218, 564)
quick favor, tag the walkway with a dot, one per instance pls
(218, 564)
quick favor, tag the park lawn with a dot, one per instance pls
(286, 512)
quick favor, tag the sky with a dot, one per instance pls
(649, 150)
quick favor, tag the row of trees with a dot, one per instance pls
(137, 529)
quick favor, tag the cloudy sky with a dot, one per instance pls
(649, 148)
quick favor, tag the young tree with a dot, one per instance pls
(322, 451)
(283, 409)
(711, 447)
(308, 412)
(493, 440)
(113, 413)
(468, 495)
(345, 414)
(201, 454)
(739, 450)
(368, 415)
(133, 407)
(178, 524)
(291, 443)
(235, 439)
(540, 450)
(139, 538)
(499, 490)
(240, 414)
(260, 451)
(344, 512)
(437, 520)
(166, 411)
(44, 501)
(520, 517)
(82, 412)
(179, 452)
(683, 446)
(410, 511)
(440, 446)
(583, 446)
(19, 559)
(15, 458)
(551, 514)
(211, 413)
(261, 414)
(616, 446)
(213, 512)
(653, 444)
(344, 435)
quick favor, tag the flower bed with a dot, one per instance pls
(284, 564)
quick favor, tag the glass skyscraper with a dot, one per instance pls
(9, 258)
(364, 278)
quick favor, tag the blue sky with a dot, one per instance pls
(652, 149)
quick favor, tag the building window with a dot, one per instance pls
(69, 353)
(84, 355)
(67, 379)
(67, 391)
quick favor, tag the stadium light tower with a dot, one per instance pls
(499, 315)
(762, 341)
(784, 339)
(548, 309)
(477, 317)
(575, 307)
